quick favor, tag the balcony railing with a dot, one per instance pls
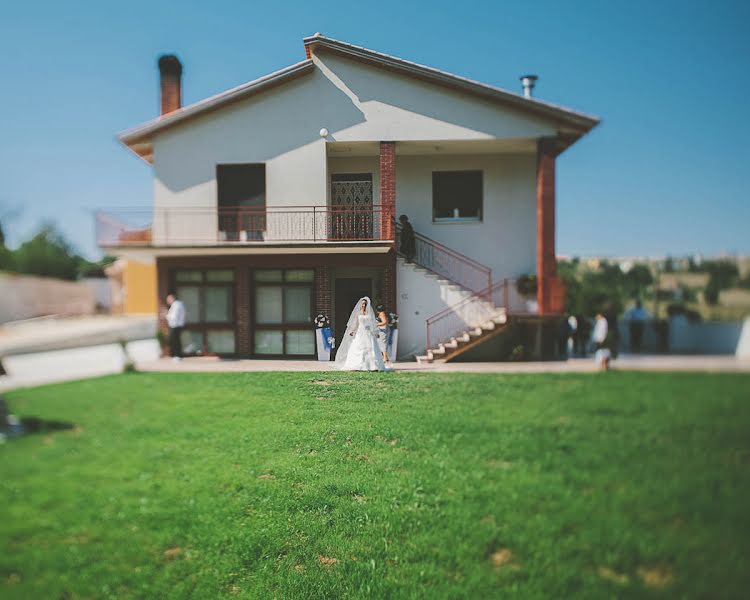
(222, 226)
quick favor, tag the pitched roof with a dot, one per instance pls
(579, 119)
(138, 138)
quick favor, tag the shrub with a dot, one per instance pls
(711, 293)
(526, 285)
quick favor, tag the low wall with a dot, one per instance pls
(27, 296)
(704, 337)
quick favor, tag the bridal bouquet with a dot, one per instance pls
(321, 321)
(393, 320)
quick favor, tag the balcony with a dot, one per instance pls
(180, 227)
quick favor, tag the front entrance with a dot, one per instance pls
(348, 291)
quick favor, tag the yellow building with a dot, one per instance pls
(133, 287)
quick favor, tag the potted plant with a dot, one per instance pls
(526, 287)
(324, 339)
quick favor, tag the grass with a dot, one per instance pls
(302, 485)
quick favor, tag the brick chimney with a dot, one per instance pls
(170, 79)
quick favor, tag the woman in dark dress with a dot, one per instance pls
(408, 245)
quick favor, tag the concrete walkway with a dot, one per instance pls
(623, 363)
(81, 363)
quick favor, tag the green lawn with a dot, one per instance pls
(315, 485)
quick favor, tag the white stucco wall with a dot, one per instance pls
(355, 102)
(420, 296)
(279, 127)
(398, 107)
(505, 240)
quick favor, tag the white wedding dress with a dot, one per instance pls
(359, 350)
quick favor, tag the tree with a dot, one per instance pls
(86, 268)
(711, 293)
(47, 254)
(637, 279)
(6, 256)
(723, 273)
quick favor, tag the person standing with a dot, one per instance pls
(637, 317)
(408, 246)
(599, 337)
(176, 323)
(382, 320)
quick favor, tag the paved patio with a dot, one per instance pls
(93, 361)
(624, 363)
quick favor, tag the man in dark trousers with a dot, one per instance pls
(176, 323)
(408, 245)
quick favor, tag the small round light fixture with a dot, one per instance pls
(324, 133)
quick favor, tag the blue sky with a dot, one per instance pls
(665, 173)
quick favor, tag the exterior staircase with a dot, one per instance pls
(466, 325)
(477, 310)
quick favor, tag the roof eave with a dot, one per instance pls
(142, 133)
(579, 121)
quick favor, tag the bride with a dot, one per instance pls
(359, 350)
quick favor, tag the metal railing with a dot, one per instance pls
(219, 226)
(447, 263)
(475, 310)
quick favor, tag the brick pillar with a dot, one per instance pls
(243, 342)
(545, 223)
(323, 291)
(387, 189)
(390, 298)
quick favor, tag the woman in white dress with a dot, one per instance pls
(359, 350)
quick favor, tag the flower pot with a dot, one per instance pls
(324, 342)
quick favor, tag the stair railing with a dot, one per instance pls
(448, 263)
(471, 312)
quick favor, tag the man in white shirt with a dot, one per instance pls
(176, 322)
(599, 337)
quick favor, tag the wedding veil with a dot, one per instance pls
(351, 325)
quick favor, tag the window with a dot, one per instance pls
(208, 297)
(457, 196)
(241, 192)
(283, 312)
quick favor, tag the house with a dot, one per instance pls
(277, 200)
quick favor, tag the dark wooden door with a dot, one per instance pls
(348, 291)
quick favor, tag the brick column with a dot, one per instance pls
(243, 341)
(387, 189)
(546, 267)
(390, 298)
(323, 291)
